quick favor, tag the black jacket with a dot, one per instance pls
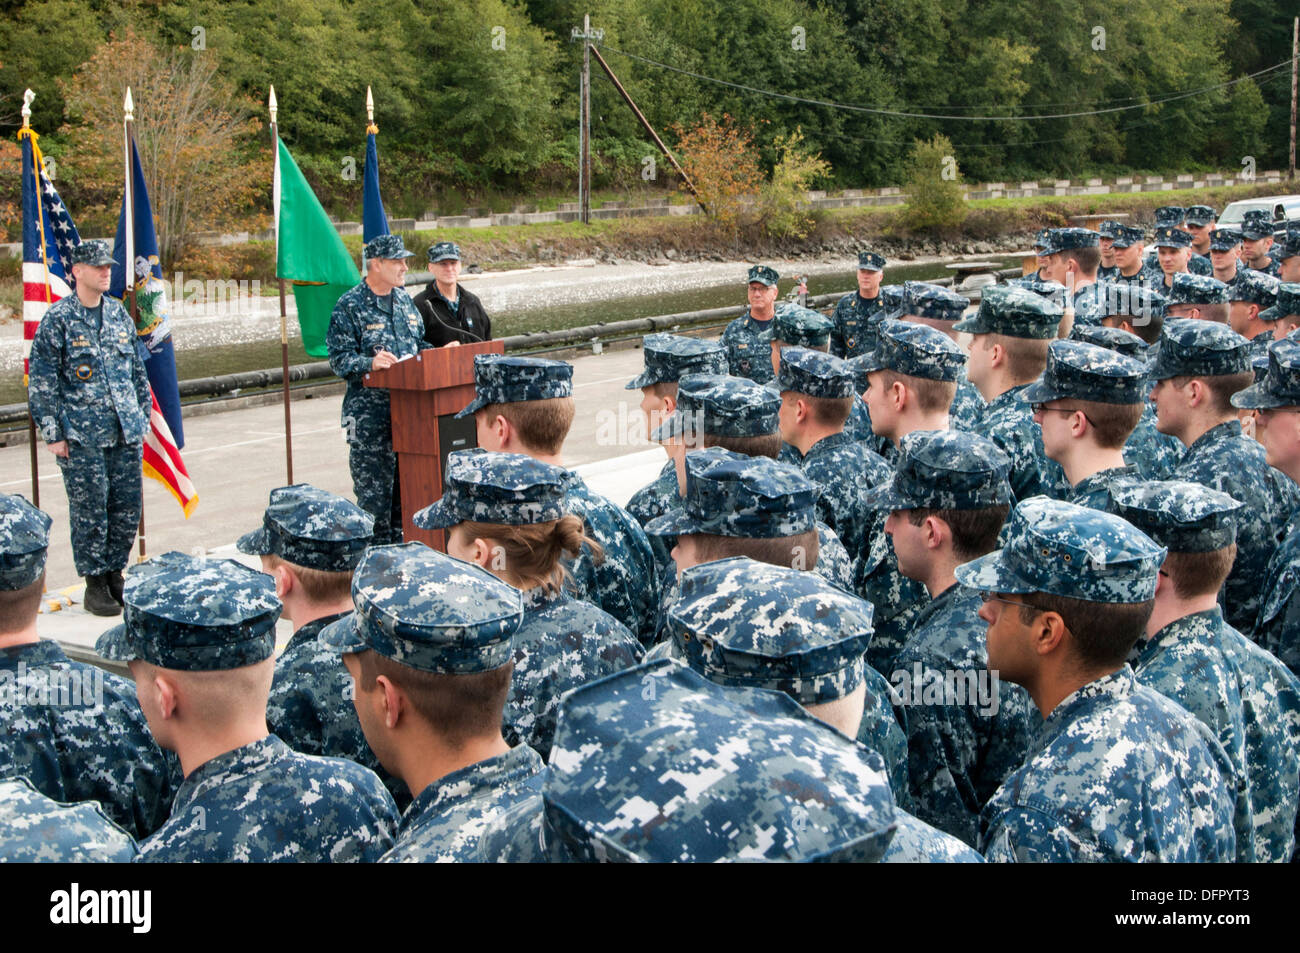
(468, 324)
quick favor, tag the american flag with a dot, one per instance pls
(48, 238)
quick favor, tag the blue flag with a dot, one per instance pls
(153, 322)
(373, 220)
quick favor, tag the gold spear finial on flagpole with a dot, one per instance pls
(370, 113)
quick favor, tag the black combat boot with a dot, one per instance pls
(98, 599)
(115, 583)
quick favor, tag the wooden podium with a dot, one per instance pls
(426, 392)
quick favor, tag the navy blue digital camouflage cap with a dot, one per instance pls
(1128, 235)
(801, 326)
(1117, 339)
(502, 379)
(669, 357)
(764, 275)
(1183, 517)
(1115, 299)
(1224, 239)
(814, 373)
(891, 298)
(1281, 384)
(915, 350)
(24, 542)
(1257, 223)
(658, 764)
(311, 528)
(1190, 347)
(1167, 236)
(507, 488)
(745, 623)
(1080, 371)
(387, 246)
(1109, 228)
(1170, 215)
(1196, 289)
(1200, 215)
(945, 470)
(1067, 550)
(731, 494)
(1043, 241)
(194, 614)
(428, 611)
(443, 251)
(937, 303)
(1053, 291)
(1068, 239)
(1014, 311)
(1287, 303)
(1288, 243)
(1255, 287)
(92, 251)
(723, 406)
(870, 261)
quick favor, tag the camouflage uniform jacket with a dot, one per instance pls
(560, 644)
(359, 326)
(263, 802)
(1184, 661)
(967, 408)
(858, 426)
(1009, 423)
(652, 501)
(1117, 772)
(1107, 272)
(1146, 277)
(845, 470)
(87, 382)
(851, 334)
(916, 842)
(749, 348)
(1277, 627)
(897, 599)
(444, 822)
(1273, 268)
(38, 830)
(1155, 454)
(1094, 491)
(311, 710)
(626, 583)
(1270, 699)
(960, 748)
(77, 733)
(1224, 459)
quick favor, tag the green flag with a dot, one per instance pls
(308, 252)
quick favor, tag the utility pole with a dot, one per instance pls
(586, 34)
(1295, 57)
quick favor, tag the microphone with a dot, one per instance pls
(434, 311)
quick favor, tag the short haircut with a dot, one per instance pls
(1088, 259)
(830, 411)
(1111, 423)
(1026, 357)
(1218, 311)
(534, 554)
(662, 389)
(931, 395)
(461, 708)
(541, 425)
(974, 532)
(800, 551)
(222, 695)
(317, 584)
(1199, 574)
(763, 445)
(1220, 386)
(1103, 633)
(18, 607)
(1148, 330)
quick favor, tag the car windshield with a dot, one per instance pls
(1236, 212)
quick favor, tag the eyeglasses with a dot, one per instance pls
(986, 596)
(1043, 408)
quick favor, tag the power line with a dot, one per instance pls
(877, 110)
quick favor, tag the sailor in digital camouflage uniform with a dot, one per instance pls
(429, 650)
(89, 397)
(199, 635)
(309, 542)
(1276, 401)
(1284, 315)
(39, 830)
(1116, 772)
(941, 308)
(1152, 453)
(946, 501)
(1174, 217)
(1251, 296)
(1131, 269)
(1011, 330)
(1073, 258)
(748, 338)
(1041, 244)
(1193, 657)
(1257, 242)
(525, 405)
(373, 326)
(505, 513)
(74, 730)
(1225, 260)
(1286, 252)
(738, 506)
(1197, 296)
(1108, 230)
(858, 310)
(648, 764)
(1087, 403)
(1199, 222)
(1200, 366)
(667, 358)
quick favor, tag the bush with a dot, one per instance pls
(785, 208)
(935, 201)
(722, 163)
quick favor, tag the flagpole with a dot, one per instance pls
(128, 262)
(274, 109)
(28, 96)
